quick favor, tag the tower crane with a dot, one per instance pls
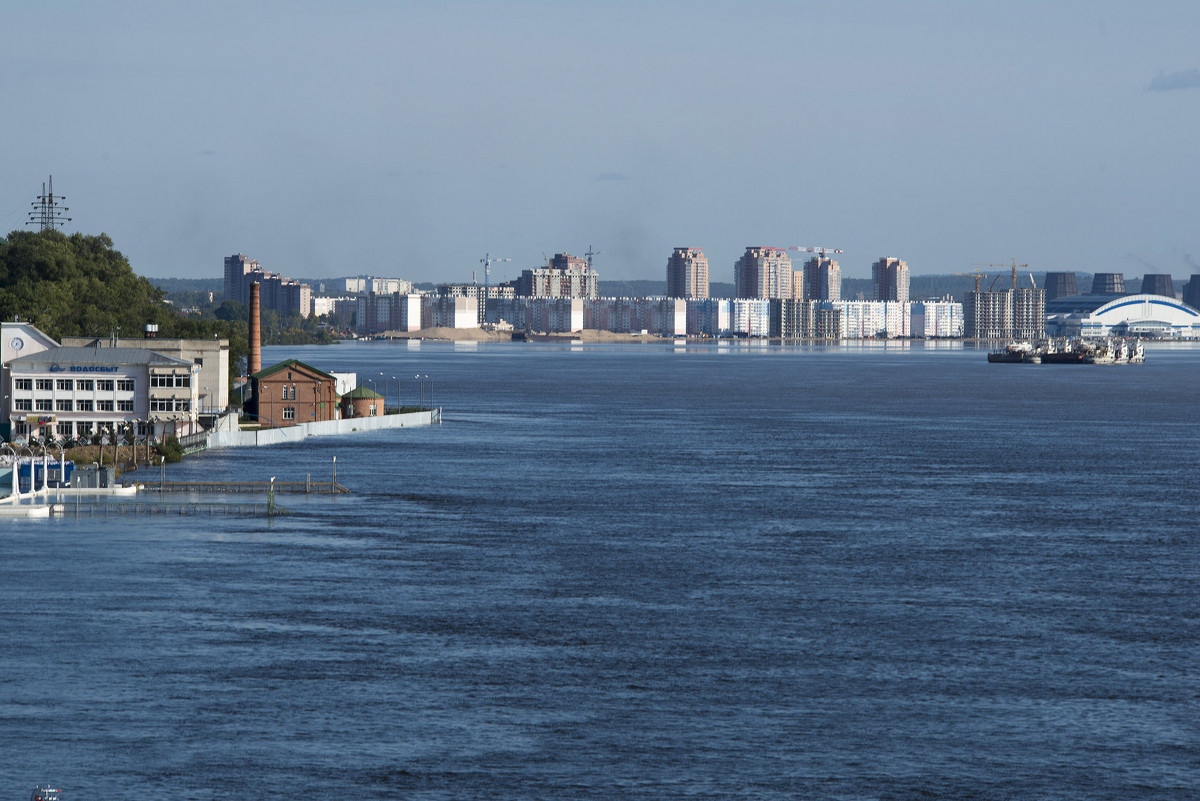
(487, 261)
(822, 251)
(1012, 263)
(976, 275)
(591, 253)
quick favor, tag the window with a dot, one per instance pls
(182, 405)
(83, 406)
(125, 406)
(22, 429)
(24, 384)
(104, 386)
(85, 385)
(141, 429)
(183, 380)
(289, 412)
(64, 406)
(161, 405)
(125, 385)
(199, 361)
(104, 406)
(65, 385)
(45, 405)
(85, 430)
(65, 430)
(23, 404)
(45, 385)
(162, 381)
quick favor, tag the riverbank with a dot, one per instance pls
(480, 335)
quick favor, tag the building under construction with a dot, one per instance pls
(1013, 313)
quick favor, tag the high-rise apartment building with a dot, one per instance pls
(889, 280)
(237, 277)
(764, 273)
(822, 279)
(278, 293)
(566, 276)
(687, 274)
(1007, 314)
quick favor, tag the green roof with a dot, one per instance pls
(275, 368)
(362, 393)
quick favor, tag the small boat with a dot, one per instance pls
(44, 792)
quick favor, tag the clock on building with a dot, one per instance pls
(17, 343)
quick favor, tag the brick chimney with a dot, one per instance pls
(255, 361)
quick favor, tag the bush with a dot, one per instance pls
(170, 450)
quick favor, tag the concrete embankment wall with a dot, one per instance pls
(328, 428)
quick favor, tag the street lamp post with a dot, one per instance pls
(420, 393)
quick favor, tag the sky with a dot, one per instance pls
(409, 139)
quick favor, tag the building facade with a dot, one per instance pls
(277, 293)
(565, 276)
(687, 274)
(822, 279)
(210, 356)
(76, 392)
(889, 280)
(293, 392)
(1009, 314)
(763, 273)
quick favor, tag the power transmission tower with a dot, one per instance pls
(47, 212)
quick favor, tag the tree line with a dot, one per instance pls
(80, 285)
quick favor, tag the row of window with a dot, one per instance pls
(72, 385)
(170, 381)
(82, 428)
(67, 405)
(169, 405)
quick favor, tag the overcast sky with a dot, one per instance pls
(409, 138)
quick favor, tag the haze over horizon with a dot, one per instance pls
(408, 139)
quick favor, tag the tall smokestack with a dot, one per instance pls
(255, 332)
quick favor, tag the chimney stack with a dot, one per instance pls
(255, 361)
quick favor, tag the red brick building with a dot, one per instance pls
(362, 402)
(293, 392)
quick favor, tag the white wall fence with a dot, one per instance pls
(327, 428)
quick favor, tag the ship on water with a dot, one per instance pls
(1111, 350)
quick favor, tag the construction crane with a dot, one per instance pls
(976, 275)
(487, 261)
(1032, 282)
(591, 253)
(822, 251)
(1012, 263)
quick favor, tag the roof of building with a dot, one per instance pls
(362, 393)
(88, 355)
(1095, 305)
(275, 368)
(1078, 304)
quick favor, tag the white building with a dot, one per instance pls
(1155, 316)
(933, 319)
(868, 319)
(73, 392)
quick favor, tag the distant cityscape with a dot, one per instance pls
(771, 299)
